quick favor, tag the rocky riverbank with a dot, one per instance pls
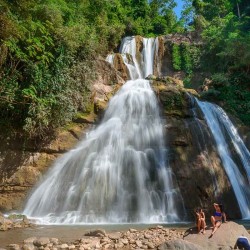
(156, 237)
(150, 238)
(14, 221)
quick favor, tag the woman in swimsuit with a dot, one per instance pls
(216, 219)
(200, 220)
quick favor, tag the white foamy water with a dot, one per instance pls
(140, 64)
(118, 174)
(222, 129)
(128, 51)
(110, 58)
(149, 48)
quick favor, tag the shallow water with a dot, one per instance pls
(245, 223)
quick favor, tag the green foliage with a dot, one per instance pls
(237, 101)
(187, 65)
(47, 49)
(176, 57)
(187, 81)
(223, 27)
(186, 57)
(211, 94)
(220, 80)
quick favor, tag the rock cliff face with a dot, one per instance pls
(22, 164)
(191, 150)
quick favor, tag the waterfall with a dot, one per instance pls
(128, 51)
(149, 46)
(222, 128)
(119, 172)
(140, 64)
(198, 132)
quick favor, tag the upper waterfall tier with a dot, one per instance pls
(118, 174)
(139, 56)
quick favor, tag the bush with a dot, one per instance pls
(176, 57)
(219, 80)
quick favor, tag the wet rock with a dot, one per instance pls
(119, 245)
(28, 247)
(147, 236)
(64, 246)
(151, 77)
(54, 241)
(14, 247)
(179, 244)
(5, 224)
(107, 246)
(124, 241)
(98, 233)
(150, 245)
(114, 236)
(105, 240)
(138, 243)
(41, 241)
(98, 245)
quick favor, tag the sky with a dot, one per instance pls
(178, 9)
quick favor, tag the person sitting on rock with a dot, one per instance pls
(242, 243)
(200, 221)
(216, 218)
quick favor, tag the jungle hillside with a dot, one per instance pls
(48, 51)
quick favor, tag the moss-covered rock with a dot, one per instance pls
(174, 99)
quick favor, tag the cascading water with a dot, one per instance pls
(128, 51)
(149, 46)
(198, 132)
(221, 128)
(119, 173)
(130, 56)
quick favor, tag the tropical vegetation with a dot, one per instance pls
(48, 50)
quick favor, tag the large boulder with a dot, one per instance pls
(179, 244)
(224, 238)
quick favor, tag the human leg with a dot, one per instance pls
(213, 221)
(198, 225)
(216, 226)
(203, 226)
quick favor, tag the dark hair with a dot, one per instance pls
(221, 208)
(198, 210)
